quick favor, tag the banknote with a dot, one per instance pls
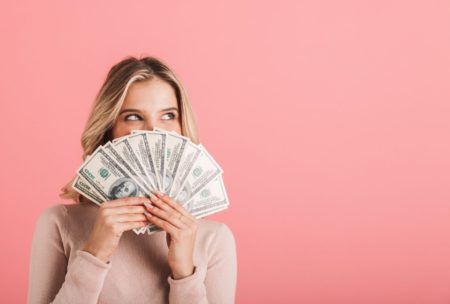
(207, 212)
(157, 145)
(122, 154)
(211, 197)
(138, 143)
(101, 175)
(175, 145)
(144, 161)
(108, 177)
(83, 187)
(188, 159)
(204, 170)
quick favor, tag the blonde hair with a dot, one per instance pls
(111, 96)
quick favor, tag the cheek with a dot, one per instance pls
(120, 129)
(174, 126)
(169, 125)
(177, 127)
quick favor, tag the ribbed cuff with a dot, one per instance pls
(88, 272)
(190, 289)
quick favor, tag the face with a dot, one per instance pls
(125, 189)
(148, 104)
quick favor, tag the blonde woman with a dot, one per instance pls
(76, 255)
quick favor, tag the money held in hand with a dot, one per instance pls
(147, 161)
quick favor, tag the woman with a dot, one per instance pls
(76, 255)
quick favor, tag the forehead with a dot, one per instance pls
(152, 94)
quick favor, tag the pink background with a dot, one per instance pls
(330, 119)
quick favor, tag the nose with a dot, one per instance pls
(149, 124)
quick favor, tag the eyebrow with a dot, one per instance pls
(139, 111)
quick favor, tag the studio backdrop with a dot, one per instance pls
(330, 120)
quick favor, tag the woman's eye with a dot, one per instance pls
(132, 117)
(168, 116)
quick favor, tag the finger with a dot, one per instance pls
(159, 203)
(164, 225)
(131, 225)
(169, 201)
(124, 210)
(167, 204)
(126, 201)
(121, 218)
(172, 217)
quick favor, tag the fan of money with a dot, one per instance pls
(158, 160)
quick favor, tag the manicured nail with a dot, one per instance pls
(147, 214)
(153, 198)
(159, 193)
(148, 205)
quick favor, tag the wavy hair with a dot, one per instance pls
(111, 96)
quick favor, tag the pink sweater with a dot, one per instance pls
(60, 272)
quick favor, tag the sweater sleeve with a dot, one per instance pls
(50, 278)
(219, 285)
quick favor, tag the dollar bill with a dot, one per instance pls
(152, 229)
(207, 212)
(175, 145)
(211, 197)
(84, 188)
(204, 170)
(108, 177)
(139, 144)
(188, 158)
(157, 145)
(145, 161)
(123, 154)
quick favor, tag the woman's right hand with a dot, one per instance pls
(113, 218)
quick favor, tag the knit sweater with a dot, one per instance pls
(137, 272)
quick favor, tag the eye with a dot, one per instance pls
(168, 116)
(133, 117)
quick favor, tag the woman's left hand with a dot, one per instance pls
(181, 229)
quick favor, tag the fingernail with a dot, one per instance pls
(147, 214)
(152, 196)
(159, 193)
(148, 205)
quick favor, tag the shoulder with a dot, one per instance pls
(208, 226)
(53, 215)
(58, 217)
(62, 212)
(50, 225)
(215, 234)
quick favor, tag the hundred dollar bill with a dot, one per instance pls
(204, 170)
(122, 153)
(208, 212)
(157, 145)
(188, 158)
(211, 197)
(108, 177)
(198, 214)
(84, 188)
(139, 145)
(152, 229)
(175, 145)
